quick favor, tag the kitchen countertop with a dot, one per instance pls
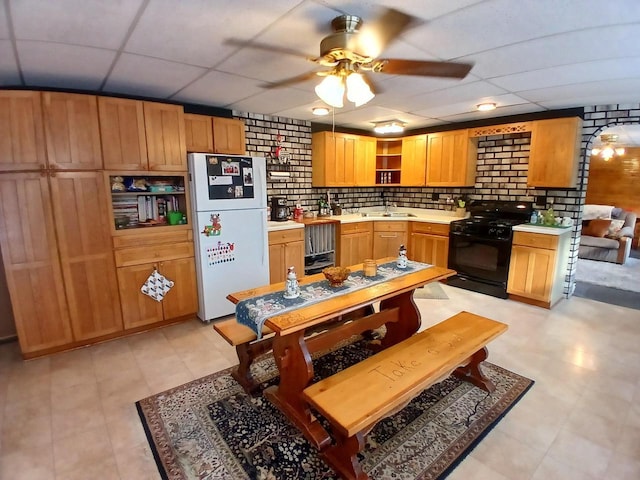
(289, 224)
(526, 227)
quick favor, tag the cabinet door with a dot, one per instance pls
(124, 144)
(555, 150)
(294, 257)
(198, 131)
(387, 244)
(182, 299)
(32, 266)
(531, 272)
(414, 158)
(365, 161)
(343, 172)
(355, 248)
(137, 309)
(228, 136)
(432, 249)
(86, 254)
(164, 129)
(72, 131)
(277, 270)
(451, 159)
(22, 144)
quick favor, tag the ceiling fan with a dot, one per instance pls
(353, 49)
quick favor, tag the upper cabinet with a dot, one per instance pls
(164, 128)
(414, 161)
(555, 150)
(124, 145)
(72, 131)
(228, 136)
(388, 161)
(198, 131)
(22, 146)
(365, 161)
(451, 159)
(338, 157)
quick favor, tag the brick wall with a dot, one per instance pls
(501, 171)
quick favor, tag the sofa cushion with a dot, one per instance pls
(615, 227)
(600, 242)
(597, 211)
(596, 228)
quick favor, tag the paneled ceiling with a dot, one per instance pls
(528, 55)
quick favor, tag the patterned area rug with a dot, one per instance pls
(607, 274)
(431, 291)
(210, 429)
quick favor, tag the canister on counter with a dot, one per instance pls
(370, 268)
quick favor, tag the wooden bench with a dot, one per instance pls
(355, 399)
(248, 347)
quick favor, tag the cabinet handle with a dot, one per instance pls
(388, 236)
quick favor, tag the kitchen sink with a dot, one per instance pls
(387, 214)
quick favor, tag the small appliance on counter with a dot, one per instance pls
(279, 209)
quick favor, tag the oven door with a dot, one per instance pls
(483, 259)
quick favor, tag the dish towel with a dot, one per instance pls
(156, 286)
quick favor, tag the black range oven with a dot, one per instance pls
(480, 246)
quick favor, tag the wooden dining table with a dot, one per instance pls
(293, 346)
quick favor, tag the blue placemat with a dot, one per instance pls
(253, 312)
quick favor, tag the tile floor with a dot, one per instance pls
(72, 415)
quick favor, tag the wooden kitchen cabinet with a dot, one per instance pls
(198, 133)
(72, 131)
(451, 159)
(365, 162)
(355, 243)
(23, 144)
(429, 243)
(537, 267)
(122, 131)
(228, 136)
(164, 130)
(388, 161)
(387, 238)
(60, 274)
(555, 152)
(342, 160)
(286, 249)
(414, 161)
(137, 256)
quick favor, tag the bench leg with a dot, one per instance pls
(472, 373)
(343, 457)
(247, 353)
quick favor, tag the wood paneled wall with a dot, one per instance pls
(615, 182)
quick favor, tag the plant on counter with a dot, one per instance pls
(461, 201)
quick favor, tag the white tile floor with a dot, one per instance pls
(72, 415)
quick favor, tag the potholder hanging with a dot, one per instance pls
(156, 286)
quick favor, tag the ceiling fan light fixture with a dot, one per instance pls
(358, 91)
(486, 107)
(389, 126)
(331, 91)
(320, 111)
(607, 150)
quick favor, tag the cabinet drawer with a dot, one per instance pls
(358, 227)
(286, 236)
(431, 228)
(153, 238)
(390, 226)
(158, 253)
(538, 240)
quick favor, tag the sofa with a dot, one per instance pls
(607, 233)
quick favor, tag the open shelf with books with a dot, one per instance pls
(140, 200)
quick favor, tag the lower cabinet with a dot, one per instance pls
(429, 243)
(538, 267)
(387, 238)
(137, 256)
(286, 249)
(355, 244)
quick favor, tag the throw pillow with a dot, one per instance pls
(597, 228)
(615, 227)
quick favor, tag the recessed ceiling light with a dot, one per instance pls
(320, 111)
(485, 107)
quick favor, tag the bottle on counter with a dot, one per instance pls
(534, 217)
(402, 257)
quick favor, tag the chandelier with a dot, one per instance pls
(608, 149)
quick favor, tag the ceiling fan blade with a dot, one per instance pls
(425, 68)
(377, 33)
(236, 42)
(290, 81)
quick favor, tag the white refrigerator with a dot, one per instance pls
(229, 199)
